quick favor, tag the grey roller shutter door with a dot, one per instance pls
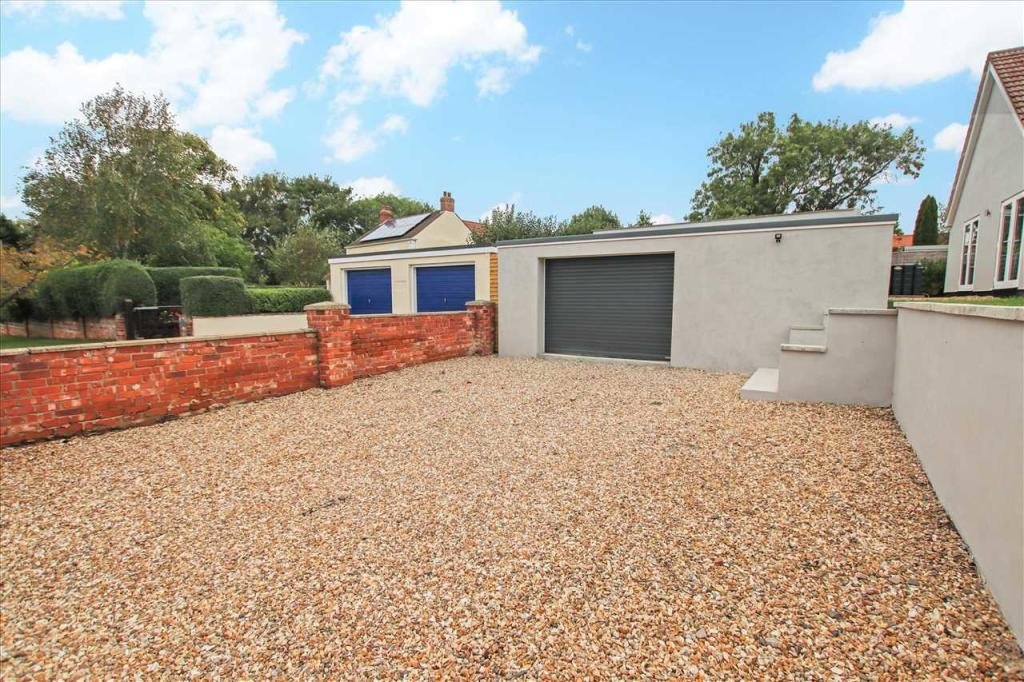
(609, 306)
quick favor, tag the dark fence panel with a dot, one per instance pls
(906, 280)
(153, 322)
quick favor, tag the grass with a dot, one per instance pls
(974, 300)
(12, 342)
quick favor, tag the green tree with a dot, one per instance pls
(643, 219)
(926, 227)
(301, 257)
(275, 206)
(591, 220)
(508, 223)
(763, 169)
(122, 180)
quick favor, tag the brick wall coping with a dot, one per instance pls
(145, 342)
(861, 311)
(995, 312)
(221, 317)
(328, 305)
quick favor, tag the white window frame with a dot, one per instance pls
(968, 255)
(1002, 279)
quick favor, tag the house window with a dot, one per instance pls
(967, 254)
(1011, 226)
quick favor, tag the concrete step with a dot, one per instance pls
(803, 348)
(762, 385)
(807, 336)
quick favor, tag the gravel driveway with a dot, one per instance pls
(497, 518)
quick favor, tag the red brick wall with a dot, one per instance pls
(58, 392)
(104, 328)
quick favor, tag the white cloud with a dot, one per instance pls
(409, 53)
(214, 61)
(349, 141)
(372, 186)
(583, 47)
(494, 81)
(242, 147)
(11, 204)
(502, 206)
(894, 120)
(570, 30)
(924, 42)
(663, 219)
(92, 9)
(950, 138)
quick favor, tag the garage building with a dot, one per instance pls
(719, 295)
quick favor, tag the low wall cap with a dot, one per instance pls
(327, 305)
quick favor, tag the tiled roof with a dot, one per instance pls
(901, 240)
(1009, 66)
(474, 227)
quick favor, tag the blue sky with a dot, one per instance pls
(553, 106)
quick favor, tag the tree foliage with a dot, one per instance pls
(763, 169)
(301, 257)
(26, 258)
(643, 219)
(508, 223)
(926, 226)
(123, 180)
(591, 220)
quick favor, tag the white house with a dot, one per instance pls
(985, 215)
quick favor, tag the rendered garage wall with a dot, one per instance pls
(735, 294)
(959, 396)
(402, 285)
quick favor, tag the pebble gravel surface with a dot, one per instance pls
(493, 518)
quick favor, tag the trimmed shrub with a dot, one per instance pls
(934, 277)
(96, 290)
(19, 309)
(167, 280)
(286, 299)
(215, 296)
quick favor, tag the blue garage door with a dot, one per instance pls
(369, 291)
(446, 287)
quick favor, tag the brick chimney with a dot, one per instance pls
(385, 215)
(447, 202)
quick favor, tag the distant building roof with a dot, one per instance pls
(397, 227)
(901, 241)
(474, 226)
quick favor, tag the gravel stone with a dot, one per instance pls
(489, 517)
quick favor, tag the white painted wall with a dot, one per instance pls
(857, 367)
(248, 324)
(736, 294)
(959, 396)
(994, 172)
(403, 275)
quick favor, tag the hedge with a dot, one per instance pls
(167, 280)
(215, 296)
(286, 299)
(96, 290)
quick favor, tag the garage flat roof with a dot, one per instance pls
(418, 253)
(715, 226)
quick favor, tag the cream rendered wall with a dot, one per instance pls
(995, 173)
(446, 230)
(735, 294)
(249, 324)
(403, 289)
(856, 367)
(959, 395)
